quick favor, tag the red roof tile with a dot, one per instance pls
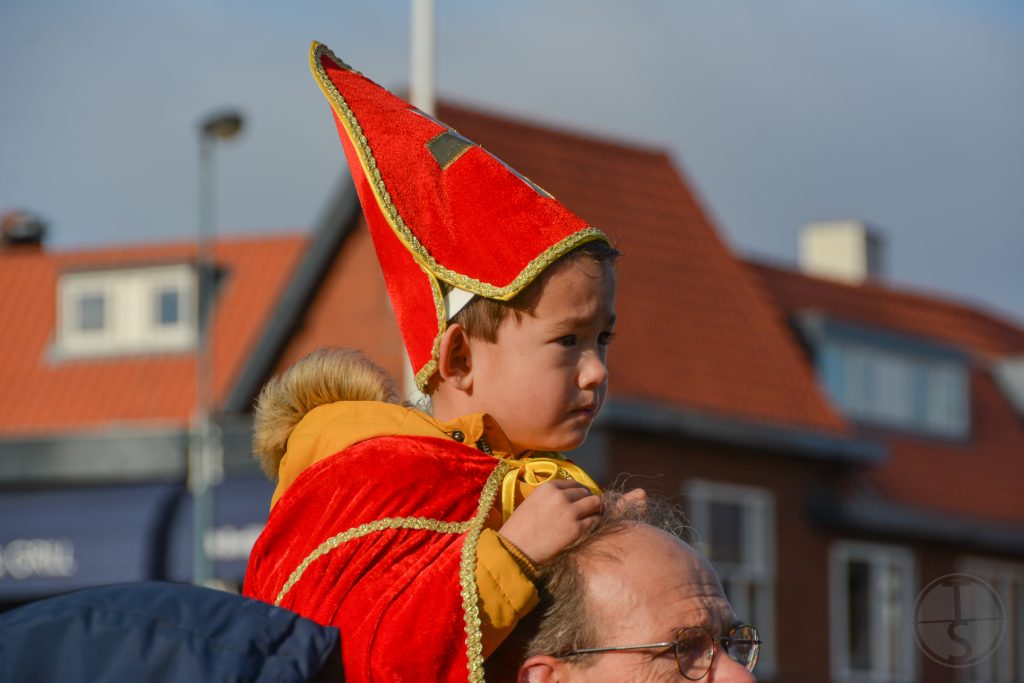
(43, 394)
(979, 477)
(351, 308)
(876, 304)
(694, 332)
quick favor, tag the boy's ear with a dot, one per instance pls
(455, 362)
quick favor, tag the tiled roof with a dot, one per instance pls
(979, 477)
(45, 395)
(875, 304)
(350, 308)
(693, 331)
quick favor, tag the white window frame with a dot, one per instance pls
(131, 323)
(877, 556)
(1007, 578)
(70, 292)
(758, 519)
(175, 335)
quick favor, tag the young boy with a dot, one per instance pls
(388, 522)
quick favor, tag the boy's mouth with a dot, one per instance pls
(589, 410)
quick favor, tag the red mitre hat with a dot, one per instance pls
(442, 211)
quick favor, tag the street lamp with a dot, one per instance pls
(206, 461)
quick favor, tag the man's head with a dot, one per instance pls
(628, 583)
(537, 362)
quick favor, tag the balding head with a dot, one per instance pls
(630, 581)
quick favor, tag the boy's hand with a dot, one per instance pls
(554, 515)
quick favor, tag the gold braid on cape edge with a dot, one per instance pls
(467, 575)
(394, 218)
(333, 543)
(467, 563)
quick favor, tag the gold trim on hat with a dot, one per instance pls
(394, 218)
(423, 375)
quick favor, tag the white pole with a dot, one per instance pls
(421, 95)
(422, 55)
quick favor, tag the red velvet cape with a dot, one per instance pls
(380, 541)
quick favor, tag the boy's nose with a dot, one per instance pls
(594, 372)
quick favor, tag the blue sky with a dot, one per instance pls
(909, 114)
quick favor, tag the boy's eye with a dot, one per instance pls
(567, 340)
(605, 338)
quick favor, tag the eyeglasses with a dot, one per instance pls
(694, 649)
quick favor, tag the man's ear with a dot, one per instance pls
(455, 362)
(541, 669)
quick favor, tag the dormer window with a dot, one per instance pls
(896, 389)
(880, 378)
(126, 311)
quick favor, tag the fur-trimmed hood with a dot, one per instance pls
(325, 376)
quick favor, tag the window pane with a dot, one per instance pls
(920, 391)
(168, 309)
(894, 400)
(853, 381)
(91, 313)
(947, 401)
(832, 373)
(726, 532)
(894, 621)
(858, 591)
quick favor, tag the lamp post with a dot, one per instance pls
(206, 461)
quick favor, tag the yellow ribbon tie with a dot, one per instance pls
(529, 473)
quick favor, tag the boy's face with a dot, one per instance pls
(545, 378)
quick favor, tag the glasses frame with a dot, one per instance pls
(717, 642)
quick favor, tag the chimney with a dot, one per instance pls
(845, 250)
(21, 230)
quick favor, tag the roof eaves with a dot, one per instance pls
(336, 222)
(815, 325)
(117, 455)
(734, 431)
(884, 518)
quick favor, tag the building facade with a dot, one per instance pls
(840, 448)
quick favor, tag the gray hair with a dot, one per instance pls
(563, 621)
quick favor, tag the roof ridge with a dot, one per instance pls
(980, 312)
(222, 239)
(570, 131)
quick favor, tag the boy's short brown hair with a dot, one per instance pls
(482, 317)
